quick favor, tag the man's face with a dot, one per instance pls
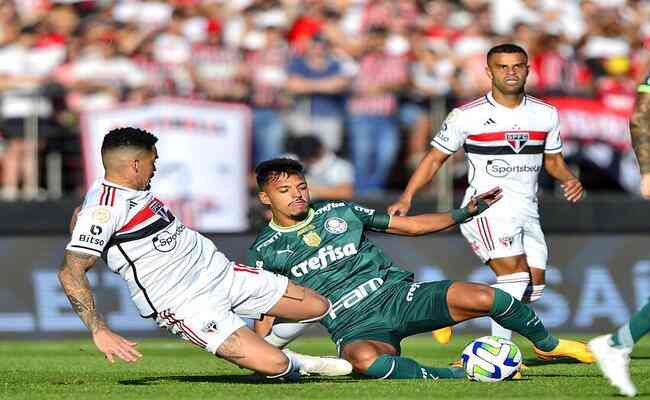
(288, 196)
(508, 72)
(147, 168)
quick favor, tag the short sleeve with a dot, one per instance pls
(254, 259)
(644, 87)
(553, 140)
(451, 136)
(93, 230)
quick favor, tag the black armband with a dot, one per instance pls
(380, 222)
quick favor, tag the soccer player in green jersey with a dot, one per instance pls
(375, 303)
(613, 351)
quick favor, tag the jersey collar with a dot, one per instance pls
(494, 103)
(293, 228)
(109, 183)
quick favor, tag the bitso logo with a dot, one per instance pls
(165, 241)
(336, 225)
(95, 230)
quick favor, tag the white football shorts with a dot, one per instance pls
(494, 235)
(212, 316)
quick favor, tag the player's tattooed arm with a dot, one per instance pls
(72, 275)
(640, 131)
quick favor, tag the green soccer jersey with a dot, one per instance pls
(330, 253)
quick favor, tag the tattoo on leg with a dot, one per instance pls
(230, 349)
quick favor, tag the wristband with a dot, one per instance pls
(460, 215)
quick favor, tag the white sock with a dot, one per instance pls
(284, 333)
(515, 285)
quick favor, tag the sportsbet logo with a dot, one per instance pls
(501, 168)
(326, 256)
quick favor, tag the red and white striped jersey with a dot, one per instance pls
(163, 262)
(504, 146)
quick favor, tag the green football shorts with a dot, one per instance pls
(405, 309)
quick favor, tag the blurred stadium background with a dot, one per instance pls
(354, 88)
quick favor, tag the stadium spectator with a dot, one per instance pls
(317, 82)
(267, 63)
(373, 133)
(25, 68)
(328, 176)
(218, 70)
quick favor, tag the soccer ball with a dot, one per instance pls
(491, 359)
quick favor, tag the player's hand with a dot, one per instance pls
(645, 185)
(112, 344)
(483, 201)
(400, 207)
(572, 190)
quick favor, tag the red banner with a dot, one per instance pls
(589, 120)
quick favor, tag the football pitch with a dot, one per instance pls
(172, 369)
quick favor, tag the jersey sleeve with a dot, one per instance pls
(94, 227)
(451, 136)
(256, 258)
(553, 140)
(644, 87)
(370, 218)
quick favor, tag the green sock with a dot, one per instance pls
(630, 333)
(395, 367)
(512, 314)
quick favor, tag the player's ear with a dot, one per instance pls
(264, 198)
(488, 72)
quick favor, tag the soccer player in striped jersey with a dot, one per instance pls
(508, 137)
(176, 276)
(612, 352)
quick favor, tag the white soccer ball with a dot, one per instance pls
(491, 359)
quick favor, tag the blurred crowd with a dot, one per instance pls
(353, 87)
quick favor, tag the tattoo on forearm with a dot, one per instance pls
(72, 275)
(640, 131)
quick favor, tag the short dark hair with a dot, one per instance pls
(508, 48)
(271, 169)
(128, 137)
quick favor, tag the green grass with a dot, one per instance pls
(172, 369)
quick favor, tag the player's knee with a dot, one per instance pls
(320, 307)
(276, 366)
(362, 360)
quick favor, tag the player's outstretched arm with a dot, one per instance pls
(640, 134)
(556, 167)
(428, 223)
(72, 275)
(425, 171)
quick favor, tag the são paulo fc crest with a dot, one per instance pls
(311, 239)
(336, 225)
(517, 140)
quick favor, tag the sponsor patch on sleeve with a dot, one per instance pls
(101, 215)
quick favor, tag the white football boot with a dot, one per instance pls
(324, 366)
(614, 364)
